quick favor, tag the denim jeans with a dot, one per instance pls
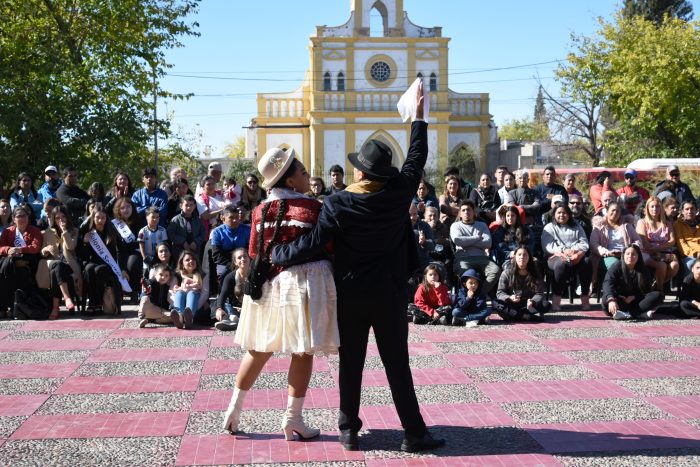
(230, 310)
(183, 300)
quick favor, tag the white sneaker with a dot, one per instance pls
(621, 315)
(649, 314)
(472, 323)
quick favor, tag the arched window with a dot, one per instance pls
(327, 81)
(419, 75)
(341, 81)
(433, 82)
(378, 20)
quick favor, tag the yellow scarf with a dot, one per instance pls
(365, 186)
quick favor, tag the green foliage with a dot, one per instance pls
(524, 130)
(656, 10)
(240, 167)
(77, 81)
(464, 159)
(236, 149)
(540, 114)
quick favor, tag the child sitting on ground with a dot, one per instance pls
(470, 307)
(432, 302)
(150, 237)
(520, 292)
(155, 301)
(690, 292)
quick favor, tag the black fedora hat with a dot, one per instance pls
(374, 159)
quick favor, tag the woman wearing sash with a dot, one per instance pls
(60, 242)
(101, 259)
(127, 224)
(20, 245)
(296, 313)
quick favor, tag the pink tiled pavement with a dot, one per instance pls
(506, 460)
(73, 324)
(43, 370)
(509, 359)
(421, 377)
(691, 329)
(553, 390)
(472, 415)
(4, 334)
(601, 343)
(615, 436)
(147, 354)
(42, 345)
(260, 399)
(273, 365)
(13, 406)
(103, 425)
(416, 348)
(160, 332)
(125, 384)
(683, 407)
(646, 369)
(464, 335)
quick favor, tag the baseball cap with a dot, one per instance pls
(215, 166)
(51, 168)
(631, 172)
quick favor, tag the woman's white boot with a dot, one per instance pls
(233, 413)
(293, 421)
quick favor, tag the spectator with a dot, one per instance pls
(231, 192)
(609, 240)
(91, 205)
(666, 190)
(150, 236)
(24, 192)
(579, 214)
(520, 292)
(548, 188)
(690, 292)
(508, 185)
(163, 256)
(450, 200)
(214, 171)
(682, 191)
(191, 294)
(96, 191)
(49, 205)
(465, 187)
(627, 288)
(431, 302)
(230, 298)
(227, 237)
(602, 184)
(318, 188)
(5, 214)
(472, 241)
(51, 183)
(687, 234)
(337, 184)
(151, 195)
(510, 235)
(71, 195)
(423, 198)
(180, 188)
(566, 244)
(671, 208)
(526, 198)
(252, 194)
(121, 188)
(126, 223)
(209, 204)
(177, 173)
(155, 302)
(59, 250)
(186, 231)
(485, 199)
(20, 246)
(570, 185)
(607, 199)
(101, 266)
(632, 195)
(441, 236)
(499, 176)
(423, 236)
(658, 243)
(470, 308)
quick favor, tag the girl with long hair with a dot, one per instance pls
(509, 236)
(520, 293)
(658, 243)
(450, 200)
(24, 192)
(191, 293)
(121, 188)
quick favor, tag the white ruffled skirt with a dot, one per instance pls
(296, 314)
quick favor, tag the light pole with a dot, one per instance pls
(155, 120)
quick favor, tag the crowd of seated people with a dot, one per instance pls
(502, 246)
(516, 249)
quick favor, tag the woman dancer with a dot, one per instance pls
(296, 313)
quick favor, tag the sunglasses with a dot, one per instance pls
(630, 177)
(252, 182)
(577, 203)
(675, 174)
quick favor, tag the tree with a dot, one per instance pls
(240, 167)
(77, 80)
(656, 10)
(236, 149)
(524, 130)
(540, 115)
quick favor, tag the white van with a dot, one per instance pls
(657, 164)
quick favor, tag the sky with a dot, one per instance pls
(498, 47)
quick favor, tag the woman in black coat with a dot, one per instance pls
(627, 288)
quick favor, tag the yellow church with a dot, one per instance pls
(351, 89)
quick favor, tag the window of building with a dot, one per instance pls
(327, 81)
(380, 71)
(433, 82)
(341, 81)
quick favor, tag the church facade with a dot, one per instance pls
(349, 95)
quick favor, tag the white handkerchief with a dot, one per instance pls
(407, 104)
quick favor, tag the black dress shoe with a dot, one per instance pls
(422, 443)
(348, 439)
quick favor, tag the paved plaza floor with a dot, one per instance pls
(578, 389)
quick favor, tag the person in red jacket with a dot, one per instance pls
(432, 302)
(20, 245)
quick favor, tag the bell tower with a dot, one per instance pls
(390, 11)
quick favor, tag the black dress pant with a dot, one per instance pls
(96, 278)
(649, 302)
(689, 309)
(563, 271)
(59, 273)
(387, 318)
(134, 266)
(16, 273)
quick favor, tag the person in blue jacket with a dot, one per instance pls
(470, 308)
(151, 195)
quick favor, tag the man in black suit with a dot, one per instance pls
(375, 253)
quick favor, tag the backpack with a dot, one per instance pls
(30, 306)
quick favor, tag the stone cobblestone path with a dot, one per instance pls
(576, 390)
